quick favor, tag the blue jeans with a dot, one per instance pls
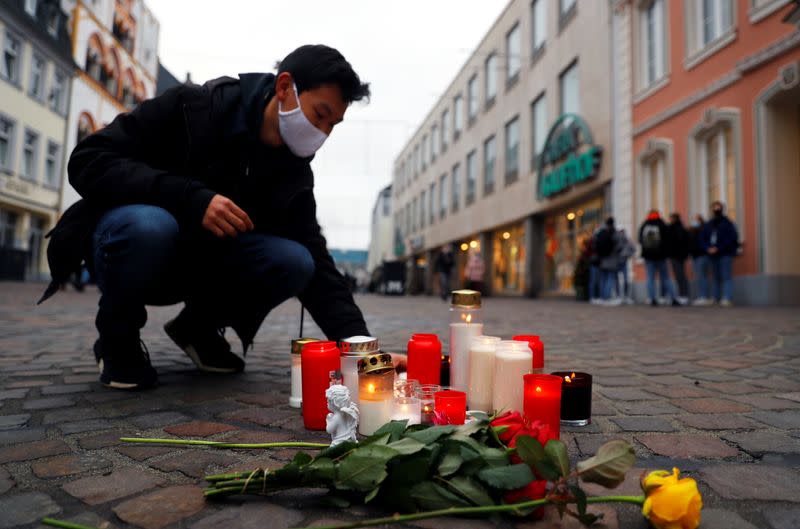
(722, 274)
(142, 256)
(594, 282)
(608, 279)
(658, 267)
(622, 270)
(700, 267)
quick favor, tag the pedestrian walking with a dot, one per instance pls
(204, 195)
(678, 252)
(595, 283)
(700, 262)
(443, 268)
(474, 271)
(721, 242)
(608, 246)
(652, 238)
(627, 250)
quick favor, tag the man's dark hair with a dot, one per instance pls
(313, 65)
(610, 222)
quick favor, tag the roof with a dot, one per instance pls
(165, 80)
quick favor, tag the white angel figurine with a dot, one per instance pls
(342, 421)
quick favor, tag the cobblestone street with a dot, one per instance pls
(713, 391)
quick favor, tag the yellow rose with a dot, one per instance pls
(671, 503)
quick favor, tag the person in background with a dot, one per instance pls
(721, 242)
(652, 237)
(627, 250)
(678, 252)
(700, 263)
(474, 271)
(595, 283)
(608, 246)
(443, 269)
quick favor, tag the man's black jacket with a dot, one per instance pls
(176, 152)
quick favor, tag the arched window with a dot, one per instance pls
(112, 70)
(654, 176)
(95, 53)
(128, 89)
(715, 163)
(139, 93)
(86, 126)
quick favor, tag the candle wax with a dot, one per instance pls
(543, 401)
(481, 374)
(509, 368)
(461, 335)
(296, 399)
(373, 414)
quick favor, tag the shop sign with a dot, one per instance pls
(569, 157)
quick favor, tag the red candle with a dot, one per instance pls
(450, 406)
(319, 361)
(543, 401)
(424, 358)
(537, 348)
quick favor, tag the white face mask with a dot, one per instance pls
(298, 133)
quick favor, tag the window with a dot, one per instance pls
(443, 195)
(11, 58)
(720, 171)
(8, 228)
(51, 165)
(570, 93)
(432, 204)
(652, 45)
(6, 144)
(489, 162)
(566, 5)
(490, 79)
(36, 87)
(85, 126)
(538, 128)
(455, 187)
(513, 54)
(417, 160)
(472, 98)
(715, 18)
(538, 25)
(654, 186)
(53, 18)
(472, 176)
(434, 142)
(30, 7)
(458, 116)
(30, 148)
(422, 203)
(408, 219)
(414, 215)
(445, 129)
(58, 92)
(423, 151)
(512, 150)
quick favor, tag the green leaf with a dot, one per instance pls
(471, 428)
(531, 452)
(369, 497)
(376, 439)
(557, 451)
(431, 497)
(332, 499)
(301, 458)
(467, 441)
(365, 468)
(480, 416)
(335, 452)
(609, 465)
(509, 477)
(452, 460)
(321, 471)
(580, 498)
(469, 489)
(394, 428)
(431, 434)
(494, 457)
(406, 446)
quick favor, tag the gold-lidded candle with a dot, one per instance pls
(465, 324)
(375, 392)
(354, 349)
(296, 395)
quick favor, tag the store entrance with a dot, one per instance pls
(566, 232)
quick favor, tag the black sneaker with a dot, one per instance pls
(208, 348)
(124, 365)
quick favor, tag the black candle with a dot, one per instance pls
(576, 398)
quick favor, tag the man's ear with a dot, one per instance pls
(283, 84)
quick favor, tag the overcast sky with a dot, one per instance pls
(408, 50)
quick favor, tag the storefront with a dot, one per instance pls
(509, 271)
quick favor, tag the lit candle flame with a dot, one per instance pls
(468, 318)
(573, 374)
(371, 388)
(567, 379)
(538, 389)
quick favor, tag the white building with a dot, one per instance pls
(381, 247)
(115, 44)
(35, 76)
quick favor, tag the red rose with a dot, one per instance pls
(513, 421)
(537, 430)
(535, 490)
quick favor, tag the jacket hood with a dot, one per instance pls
(256, 91)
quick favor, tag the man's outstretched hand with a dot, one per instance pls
(224, 218)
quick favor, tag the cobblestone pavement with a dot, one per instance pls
(715, 392)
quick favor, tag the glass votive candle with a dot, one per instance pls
(576, 398)
(375, 391)
(407, 409)
(405, 387)
(450, 406)
(425, 394)
(542, 401)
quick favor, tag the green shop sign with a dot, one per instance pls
(569, 157)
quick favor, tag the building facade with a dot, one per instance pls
(115, 45)
(381, 241)
(35, 79)
(514, 161)
(715, 115)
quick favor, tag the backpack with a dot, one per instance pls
(604, 243)
(651, 237)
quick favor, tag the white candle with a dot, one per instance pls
(407, 408)
(373, 414)
(512, 361)
(461, 335)
(481, 372)
(296, 398)
(350, 374)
